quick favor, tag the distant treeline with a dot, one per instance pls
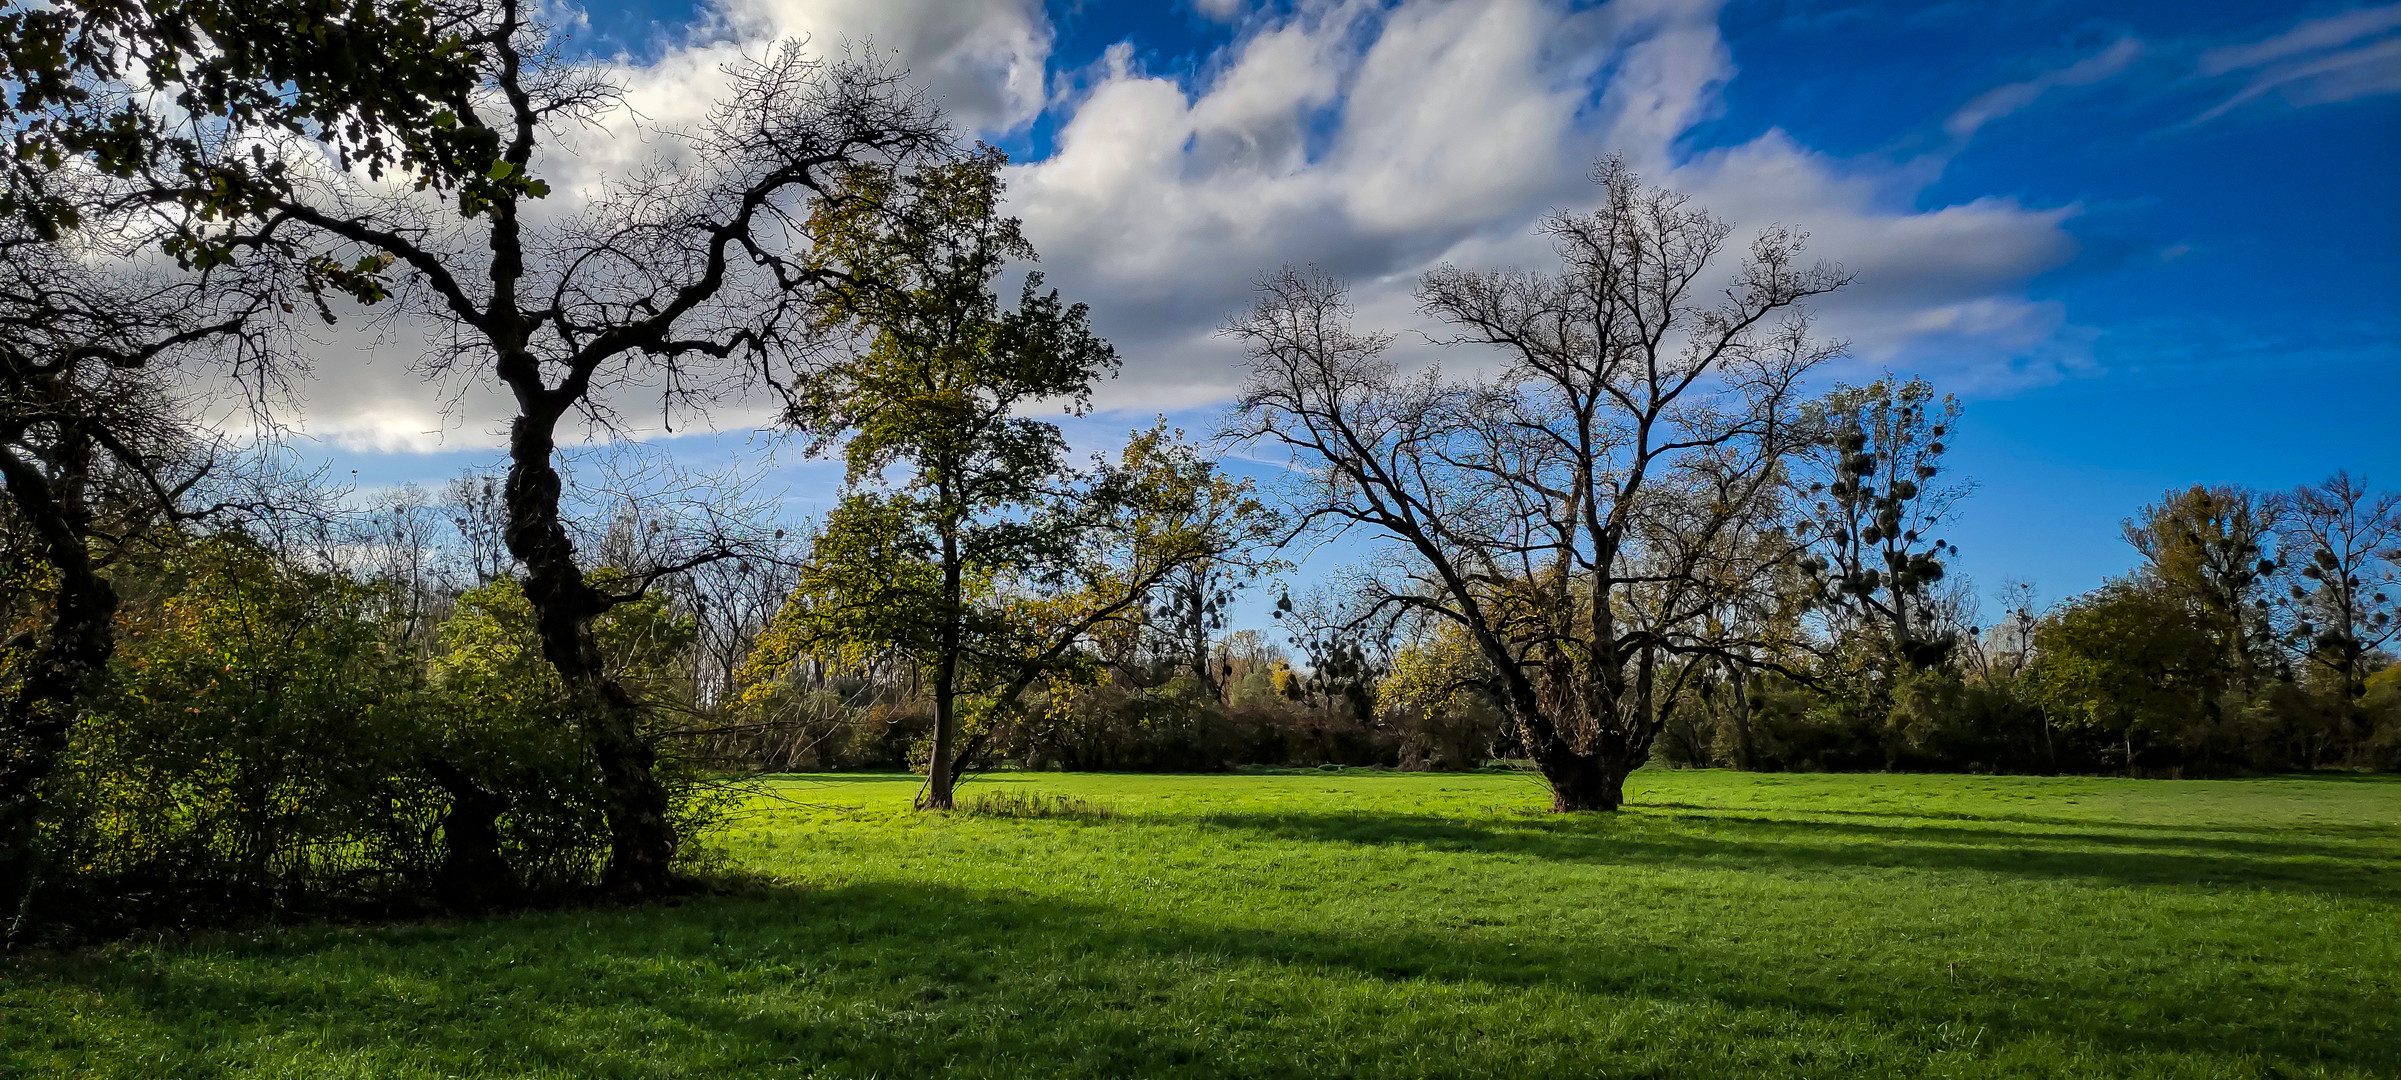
(2253, 638)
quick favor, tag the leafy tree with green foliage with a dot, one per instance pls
(1433, 692)
(2129, 661)
(964, 539)
(526, 805)
(2211, 545)
(94, 455)
(133, 124)
(255, 746)
(172, 92)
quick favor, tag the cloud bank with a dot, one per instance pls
(1376, 141)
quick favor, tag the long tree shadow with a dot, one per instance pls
(1783, 843)
(2363, 830)
(891, 980)
(2071, 831)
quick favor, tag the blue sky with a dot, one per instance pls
(2149, 244)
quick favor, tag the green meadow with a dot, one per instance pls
(1352, 924)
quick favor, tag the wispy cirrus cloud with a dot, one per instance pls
(2319, 61)
(2312, 36)
(2000, 101)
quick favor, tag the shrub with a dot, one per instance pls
(267, 744)
(255, 750)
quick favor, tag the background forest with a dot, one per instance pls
(1639, 525)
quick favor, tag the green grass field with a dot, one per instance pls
(1357, 924)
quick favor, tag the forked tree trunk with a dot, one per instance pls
(1584, 782)
(36, 720)
(641, 842)
(1581, 780)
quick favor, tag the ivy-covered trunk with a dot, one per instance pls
(642, 841)
(35, 721)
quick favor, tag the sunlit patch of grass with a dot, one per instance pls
(1355, 924)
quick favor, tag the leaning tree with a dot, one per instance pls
(96, 452)
(1581, 510)
(690, 277)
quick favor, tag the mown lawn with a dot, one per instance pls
(1357, 924)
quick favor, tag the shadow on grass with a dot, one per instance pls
(1784, 843)
(2086, 831)
(898, 981)
(2365, 831)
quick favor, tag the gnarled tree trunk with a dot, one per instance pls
(1584, 781)
(36, 720)
(641, 840)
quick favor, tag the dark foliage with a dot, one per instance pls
(264, 747)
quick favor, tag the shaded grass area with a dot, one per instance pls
(1355, 925)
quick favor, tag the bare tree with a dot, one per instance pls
(403, 534)
(1574, 513)
(731, 602)
(476, 510)
(1759, 619)
(2007, 647)
(1343, 658)
(1878, 499)
(691, 277)
(1189, 612)
(660, 514)
(2346, 540)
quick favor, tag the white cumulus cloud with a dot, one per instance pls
(1374, 140)
(1379, 142)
